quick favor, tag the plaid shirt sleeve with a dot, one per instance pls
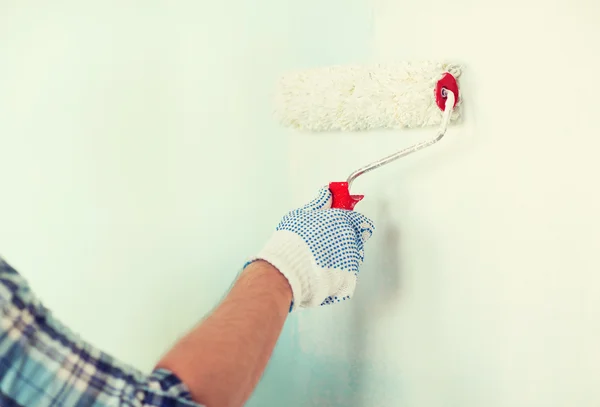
(43, 364)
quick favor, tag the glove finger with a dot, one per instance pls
(322, 201)
(363, 226)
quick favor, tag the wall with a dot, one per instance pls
(140, 162)
(139, 159)
(481, 286)
(140, 168)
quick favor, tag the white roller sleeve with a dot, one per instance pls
(363, 97)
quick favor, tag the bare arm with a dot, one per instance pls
(223, 358)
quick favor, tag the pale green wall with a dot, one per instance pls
(140, 164)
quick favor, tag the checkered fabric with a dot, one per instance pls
(43, 364)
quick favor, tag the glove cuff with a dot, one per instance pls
(289, 254)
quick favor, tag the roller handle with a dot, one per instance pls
(341, 196)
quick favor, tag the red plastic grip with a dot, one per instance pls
(448, 82)
(341, 196)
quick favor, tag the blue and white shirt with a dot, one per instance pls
(43, 364)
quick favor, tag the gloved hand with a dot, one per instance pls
(319, 250)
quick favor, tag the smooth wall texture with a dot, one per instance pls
(140, 163)
(140, 166)
(481, 286)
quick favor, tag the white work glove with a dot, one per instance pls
(319, 250)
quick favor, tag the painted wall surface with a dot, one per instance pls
(139, 160)
(140, 166)
(481, 286)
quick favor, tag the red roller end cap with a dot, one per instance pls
(341, 196)
(447, 82)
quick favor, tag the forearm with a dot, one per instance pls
(223, 358)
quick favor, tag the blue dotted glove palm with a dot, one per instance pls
(319, 250)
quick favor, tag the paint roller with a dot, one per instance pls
(359, 98)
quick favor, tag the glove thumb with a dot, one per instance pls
(322, 201)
